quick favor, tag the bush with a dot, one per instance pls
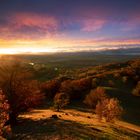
(136, 91)
(117, 75)
(108, 109)
(21, 92)
(111, 83)
(95, 82)
(60, 100)
(124, 79)
(4, 109)
(95, 96)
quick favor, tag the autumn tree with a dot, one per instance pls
(136, 91)
(20, 90)
(109, 109)
(4, 109)
(95, 96)
(75, 88)
(50, 88)
(60, 100)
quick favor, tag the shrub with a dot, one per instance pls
(95, 82)
(95, 96)
(4, 108)
(60, 100)
(21, 92)
(111, 83)
(124, 79)
(117, 75)
(136, 91)
(108, 109)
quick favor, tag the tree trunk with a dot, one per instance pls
(13, 118)
(58, 108)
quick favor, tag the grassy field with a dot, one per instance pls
(71, 125)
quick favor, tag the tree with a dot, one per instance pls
(109, 109)
(136, 91)
(50, 88)
(4, 108)
(75, 88)
(20, 90)
(95, 96)
(60, 100)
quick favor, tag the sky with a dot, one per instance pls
(33, 26)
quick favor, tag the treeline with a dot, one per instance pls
(63, 93)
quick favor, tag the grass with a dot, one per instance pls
(38, 125)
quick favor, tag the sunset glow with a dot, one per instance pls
(82, 25)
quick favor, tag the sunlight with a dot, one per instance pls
(8, 51)
(26, 50)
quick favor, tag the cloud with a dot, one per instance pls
(80, 19)
(92, 25)
(35, 20)
(28, 25)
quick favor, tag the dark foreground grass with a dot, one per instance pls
(51, 129)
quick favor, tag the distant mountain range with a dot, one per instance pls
(122, 51)
(118, 51)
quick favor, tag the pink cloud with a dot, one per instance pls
(30, 19)
(29, 25)
(91, 19)
(92, 25)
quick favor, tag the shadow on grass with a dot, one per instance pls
(43, 129)
(79, 106)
